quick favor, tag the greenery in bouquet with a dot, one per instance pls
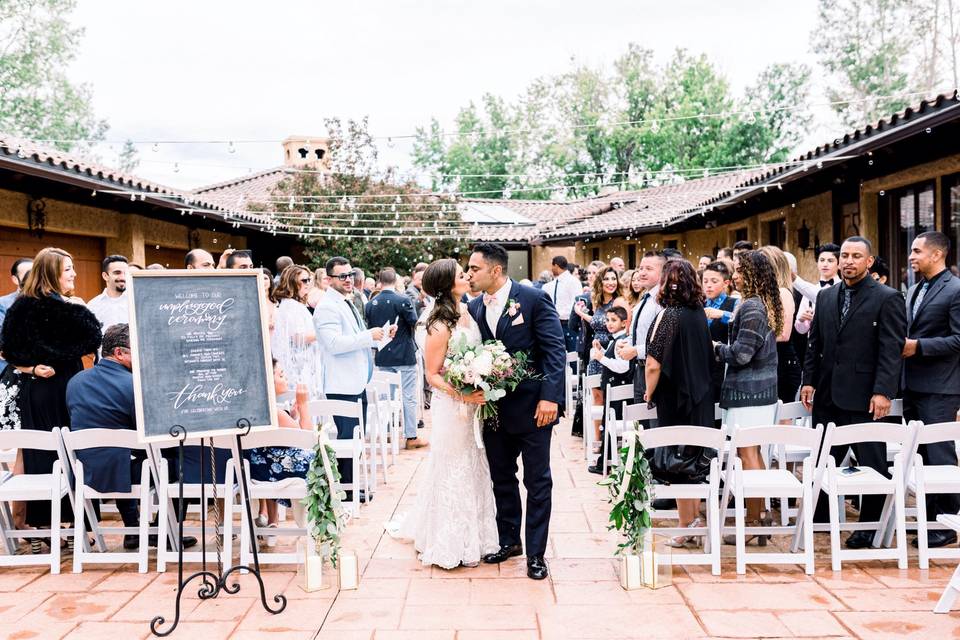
(324, 503)
(486, 367)
(628, 486)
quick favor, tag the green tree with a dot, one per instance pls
(863, 46)
(37, 100)
(129, 157)
(374, 220)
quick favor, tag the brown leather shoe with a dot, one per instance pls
(415, 443)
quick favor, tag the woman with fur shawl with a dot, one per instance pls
(44, 336)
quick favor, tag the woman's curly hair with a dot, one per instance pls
(679, 286)
(758, 279)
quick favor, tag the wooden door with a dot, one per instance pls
(87, 252)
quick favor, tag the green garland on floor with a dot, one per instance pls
(630, 511)
(324, 507)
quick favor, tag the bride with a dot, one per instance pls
(453, 521)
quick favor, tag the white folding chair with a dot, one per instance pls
(293, 489)
(590, 413)
(8, 459)
(323, 412)
(764, 483)
(785, 456)
(84, 439)
(572, 377)
(865, 481)
(168, 490)
(923, 479)
(952, 590)
(44, 487)
(613, 427)
(394, 405)
(378, 424)
(707, 438)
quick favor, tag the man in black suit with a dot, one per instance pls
(852, 365)
(931, 367)
(524, 320)
(400, 354)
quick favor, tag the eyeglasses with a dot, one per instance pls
(343, 277)
(305, 280)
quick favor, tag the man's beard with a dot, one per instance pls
(121, 287)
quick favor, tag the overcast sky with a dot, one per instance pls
(243, 70)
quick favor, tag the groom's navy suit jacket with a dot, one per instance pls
(538, 333)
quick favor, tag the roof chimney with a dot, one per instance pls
(306, 152)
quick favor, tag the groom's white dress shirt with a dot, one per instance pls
(345, 345)
(498, 305)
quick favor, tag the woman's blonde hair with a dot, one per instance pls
(44, 276)
(781, 267)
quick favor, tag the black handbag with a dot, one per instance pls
(681, 464)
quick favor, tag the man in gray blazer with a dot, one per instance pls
(931, 371)
(345, 348)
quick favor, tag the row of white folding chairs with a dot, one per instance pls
(66, 478)
(766, 483)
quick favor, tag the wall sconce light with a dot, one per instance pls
(803, 237)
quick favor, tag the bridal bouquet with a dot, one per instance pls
(486, 367)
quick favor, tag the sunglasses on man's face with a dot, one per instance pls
(343, 277)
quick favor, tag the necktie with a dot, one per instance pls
(920, 294)
(847, 297)
(353, 311)
(556, 290)
(636, 318)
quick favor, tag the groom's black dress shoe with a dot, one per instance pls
(505, 552)
(938, 539)
(537, 568)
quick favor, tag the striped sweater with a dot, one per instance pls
(751, 358)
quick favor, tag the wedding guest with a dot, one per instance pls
(748, 395)
(345, 347)
(321, 282)
(110, 306)
(294, 336)
(102, 398)
(563, 291)
(18, 275)
(360, 300)
(156, 266)
(370, 288)
(616, 372)
(606, 294)
(828, 263)
(704, 262)
(634, 289)
(400, 354)
(584, 337)
(415, 288)
(931, 366)
(239, 259)
(44, 337)
(617, 263)
(741, 246)
(852, 366)
(282, 263)
(678, 351)
(788, 366)
(669, 253)
(546, 277)
(879, 270)
(718, 307)
(726, 253)
(650, 270)
(198, 259)
(275, 464)
(133, 266)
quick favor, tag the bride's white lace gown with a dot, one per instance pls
(453, 521)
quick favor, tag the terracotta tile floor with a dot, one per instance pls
(400, 600)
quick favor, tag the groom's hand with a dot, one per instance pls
(546, 413)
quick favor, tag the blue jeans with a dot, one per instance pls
(408, 377)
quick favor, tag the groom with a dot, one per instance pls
(524, 319)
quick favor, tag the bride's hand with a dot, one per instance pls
(473, 398)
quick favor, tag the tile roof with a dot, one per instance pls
(251, 188)
(52, 160)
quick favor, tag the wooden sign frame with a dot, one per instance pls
(136, 355)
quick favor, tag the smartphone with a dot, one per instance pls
(849, 471)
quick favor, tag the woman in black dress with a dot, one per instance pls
(45, 336)
(679, 353)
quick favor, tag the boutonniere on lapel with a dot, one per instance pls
(513, 307)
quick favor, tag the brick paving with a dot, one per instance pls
(398, 599)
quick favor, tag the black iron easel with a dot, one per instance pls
(213, 582)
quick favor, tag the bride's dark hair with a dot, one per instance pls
(438, 281)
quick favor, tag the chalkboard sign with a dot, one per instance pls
(201, 355)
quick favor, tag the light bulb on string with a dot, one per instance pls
(155, 148)
(390, 143)
(231, 148)
(176, 167)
